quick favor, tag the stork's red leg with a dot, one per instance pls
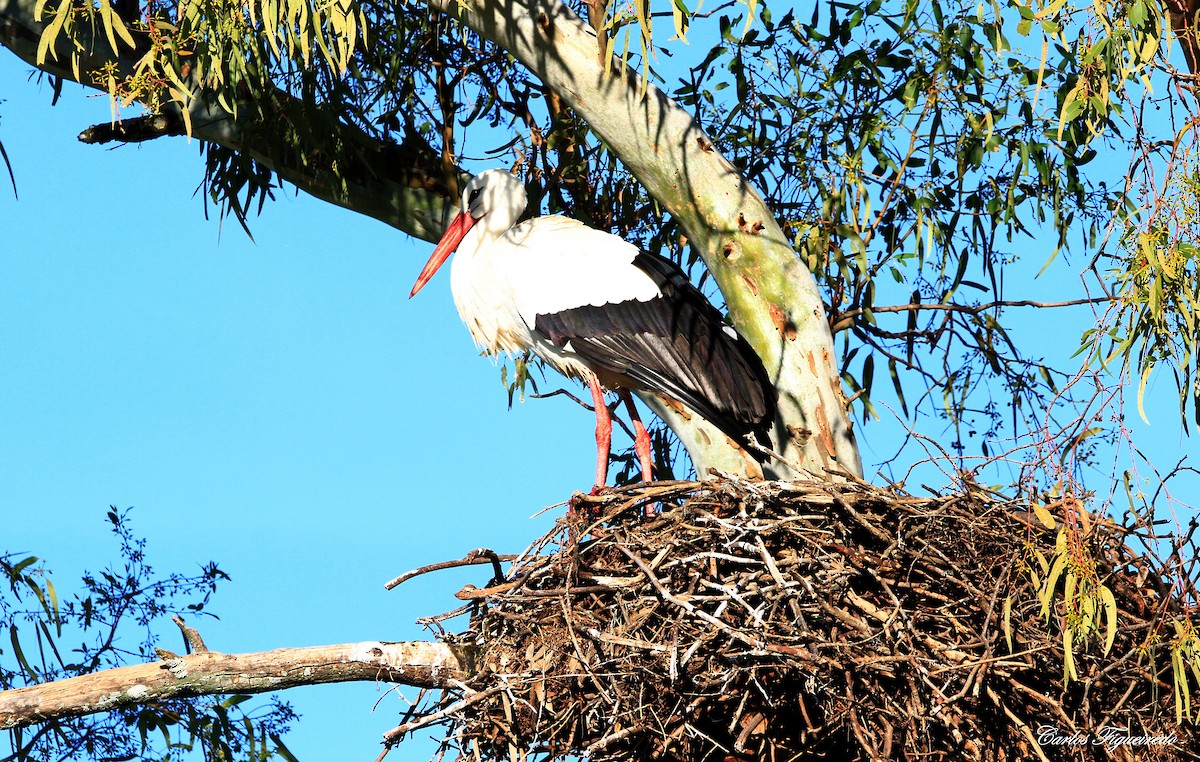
(641, 440)
(603, 432)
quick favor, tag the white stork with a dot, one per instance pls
(596, 308)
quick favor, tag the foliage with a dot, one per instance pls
(1185, 658)
(1086, 602)
(928, 142)
(914, 151)
(1156, 274)
(920, 136)
(114, 618)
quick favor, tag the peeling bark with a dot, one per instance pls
(419, 664)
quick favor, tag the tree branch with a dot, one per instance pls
(844, 320)
(402, 185)
(419, 664)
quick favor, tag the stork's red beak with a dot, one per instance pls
(453, 236)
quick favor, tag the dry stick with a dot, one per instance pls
(553, 593)
(477, 556)
(393, 736)
(579, 649)
(859, 732)
(592, 632)
(1020, 724)
(412, 706)
(666, 595)
(194, 641)
(999, 661)
(438, 618)
(612, 738)
(645, 494)
(770, 562)
(1045, 700)
(508, 715)
(732, 595)
(1117, 706)
(839, 614)
(875, 531)
(714, 621)
(583, 657)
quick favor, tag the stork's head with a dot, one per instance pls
(494, 200)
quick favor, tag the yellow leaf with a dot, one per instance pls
(751, 5)
(1044, 516)
(1110, 611)
(1183, 697)
(1041, 559)
(1069, 672)
(182, 99)
(1047, 592)
(1008, 635)
(1142, 392)
(50, 34)
(681, 23)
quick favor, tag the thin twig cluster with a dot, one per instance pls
(794, 621)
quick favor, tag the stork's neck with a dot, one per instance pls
(481, 236)
(479, 282)
(502, 210)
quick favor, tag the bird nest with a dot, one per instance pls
(795, 621)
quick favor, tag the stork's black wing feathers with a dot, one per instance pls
(677, 344)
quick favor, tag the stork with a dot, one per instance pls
(595, 307)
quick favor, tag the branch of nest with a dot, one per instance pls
(793, 621)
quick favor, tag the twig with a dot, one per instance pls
(393, 736)
(477, 556)
(194, 641)
(612, 738)
(1033, 742)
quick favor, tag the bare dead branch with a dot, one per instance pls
(477, 556)
(422, 664)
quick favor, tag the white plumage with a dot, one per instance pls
(595, 307)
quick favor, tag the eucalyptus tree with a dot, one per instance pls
(866, 188)
(898, 152)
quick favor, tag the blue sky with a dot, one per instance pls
(280, 406)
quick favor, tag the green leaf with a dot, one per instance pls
(895, 375)
(1051, 583)
(1069, 672)
(50, 34)
(283, 750)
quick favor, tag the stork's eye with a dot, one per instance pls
(474, 196)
